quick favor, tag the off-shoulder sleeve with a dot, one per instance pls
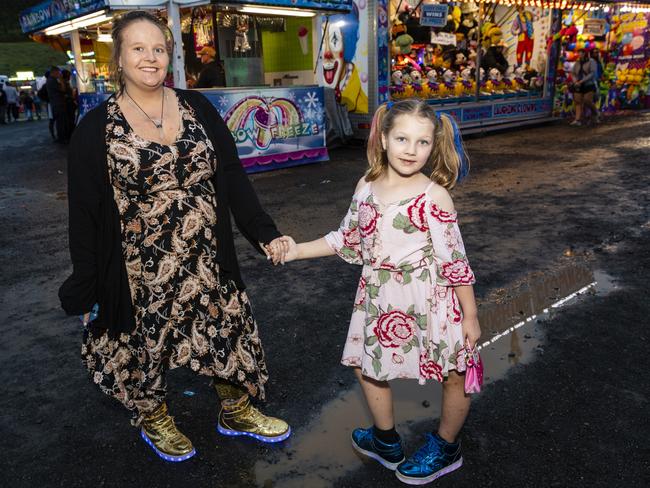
(346, 241)
(453, 268)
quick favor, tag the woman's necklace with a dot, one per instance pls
(158, 123)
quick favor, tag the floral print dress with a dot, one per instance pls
(406, 321)
(186, 315)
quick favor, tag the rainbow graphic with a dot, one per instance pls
(263, 119)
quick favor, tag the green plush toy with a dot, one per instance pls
(404, 43)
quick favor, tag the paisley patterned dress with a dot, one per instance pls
(186, 315)
(406, 321)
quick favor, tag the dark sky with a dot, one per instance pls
(9, 26)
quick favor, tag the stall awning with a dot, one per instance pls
(321, 5)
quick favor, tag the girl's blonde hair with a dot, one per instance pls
(119, 25)
(448, 159)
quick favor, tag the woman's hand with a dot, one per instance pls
(292, 249)
(283, 250)
(277, 250)
(471, 331)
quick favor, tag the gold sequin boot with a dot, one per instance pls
(239, 417)
(160, 432)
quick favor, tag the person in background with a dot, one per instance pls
(12, 102)
(595, 55)
(584, 87)
(56, 104)
(70, 103)
(212, 73)
(28, 105)
(37, 103)
(43, 97)
(3, 105)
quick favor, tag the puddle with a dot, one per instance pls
(513, 330)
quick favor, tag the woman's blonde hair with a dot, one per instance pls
(119, 26)
(448, 160)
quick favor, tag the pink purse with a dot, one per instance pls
(473, 371)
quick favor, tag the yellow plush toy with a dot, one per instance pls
(491, 34)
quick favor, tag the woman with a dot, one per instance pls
(153, 176)
(584, 87)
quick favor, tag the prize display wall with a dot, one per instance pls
(436, 48)
(619, 39)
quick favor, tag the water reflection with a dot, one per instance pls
(321, 452)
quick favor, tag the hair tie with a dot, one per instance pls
(389, 105)
(437, 115)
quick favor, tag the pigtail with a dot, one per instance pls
(450, 161)
(375, 151)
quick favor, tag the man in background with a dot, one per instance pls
(56, 96)
(12, 102)
(212, 73)
(3, 104)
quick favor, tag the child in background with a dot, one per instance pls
(414, 311)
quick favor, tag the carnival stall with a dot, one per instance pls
(489, 63)
(618, 37)
(266, 50)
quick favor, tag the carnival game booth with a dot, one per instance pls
(488, 63)
(268, 94)
(617, 35)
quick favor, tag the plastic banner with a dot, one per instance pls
(274, 127)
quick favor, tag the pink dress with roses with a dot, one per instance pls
(406, 321)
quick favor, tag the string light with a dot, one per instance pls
(567, 5)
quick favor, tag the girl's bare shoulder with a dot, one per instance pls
(441, 197)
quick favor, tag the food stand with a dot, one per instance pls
(268, 49)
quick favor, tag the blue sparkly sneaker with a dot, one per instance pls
(434, 459)
(389, 455)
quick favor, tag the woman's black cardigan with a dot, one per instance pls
(98, 267)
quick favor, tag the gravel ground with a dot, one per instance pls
(538, 199)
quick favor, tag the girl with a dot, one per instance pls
(414, 310)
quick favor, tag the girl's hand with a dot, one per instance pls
(278, 249)
(471, 331)
(291, 247)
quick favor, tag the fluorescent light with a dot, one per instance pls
(59, 28)
(276, 11)
(104, 38)
(84, 21)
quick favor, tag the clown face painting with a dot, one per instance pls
(333, 55)
(344, 51)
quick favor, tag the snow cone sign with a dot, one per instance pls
(274, 127)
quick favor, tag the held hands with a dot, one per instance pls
(471, 331)
(282, 250)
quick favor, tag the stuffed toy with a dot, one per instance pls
(468, 25)
(416, 82)
(491, 35)
(241, 35)
(460, 62)
(449, 82)
(402, 42)
(432, 87)
(397, 84)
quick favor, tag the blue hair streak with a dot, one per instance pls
(463, 169)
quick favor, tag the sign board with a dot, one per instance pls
(274, 127)
(594, 27)
(433, 15)
(443, 38)
(51, 12)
